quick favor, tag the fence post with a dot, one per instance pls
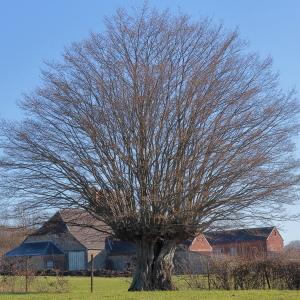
(267, 278)
(208, 275)
(92, 273)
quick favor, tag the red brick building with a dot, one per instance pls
(251, 242)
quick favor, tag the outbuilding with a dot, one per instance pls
(66, 242)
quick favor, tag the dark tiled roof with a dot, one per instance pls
(84, 227)
(238, 235)
(34, 249)
(117, 247)
(54, 225)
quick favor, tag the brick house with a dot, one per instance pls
(250, 242)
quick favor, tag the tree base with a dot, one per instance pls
(154, 266)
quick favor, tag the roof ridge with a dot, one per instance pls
(237, 229)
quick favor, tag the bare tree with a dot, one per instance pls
(159, 126)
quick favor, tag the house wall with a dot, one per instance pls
(99, 258)
(59, 261)
(40, 262)
(65, 242)
(200, 244)
(37, 263)
(274, 242)
(119, 262)
(272, 245)
(245, 249)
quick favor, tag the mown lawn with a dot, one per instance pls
(116, 288)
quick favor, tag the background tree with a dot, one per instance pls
(292, 250)
(13, 232)
(161, 127)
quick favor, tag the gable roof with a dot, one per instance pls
(84, 227)
(238, 235)
(35, 249)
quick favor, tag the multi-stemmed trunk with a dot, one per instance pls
(154, 265)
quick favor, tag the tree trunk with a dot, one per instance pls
(163, 265)
(154, 265)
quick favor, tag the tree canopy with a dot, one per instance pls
(161, 127)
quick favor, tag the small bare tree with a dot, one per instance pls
(161, 127)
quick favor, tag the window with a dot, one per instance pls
(49, 264)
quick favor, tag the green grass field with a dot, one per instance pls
(116, 288)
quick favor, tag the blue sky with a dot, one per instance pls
(34, 31)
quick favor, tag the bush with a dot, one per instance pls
(228, 273)
(271, 273)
